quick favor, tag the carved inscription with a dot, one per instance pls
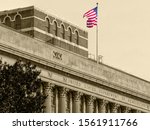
(98, 91)
(57, 55)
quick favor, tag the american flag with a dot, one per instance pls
(92, 17)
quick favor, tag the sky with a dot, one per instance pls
(123, 26)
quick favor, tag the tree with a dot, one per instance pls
(20, 88)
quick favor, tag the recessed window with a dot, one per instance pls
(55, 28)
(70, 34)
(18, 22)
(62, 31)
(47, 25)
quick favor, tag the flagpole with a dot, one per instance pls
(97, 36)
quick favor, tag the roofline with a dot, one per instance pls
(43, 11)
(127, 73)
(16, 9)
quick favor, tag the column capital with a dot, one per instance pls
(114, 107)
(125, 109)
(102, 105)
(103, 102)
(90, 99)
(77, 95)
(136, 111)
(51, 84)
(62, 91)
(49, 87)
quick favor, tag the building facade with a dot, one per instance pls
(74, 82)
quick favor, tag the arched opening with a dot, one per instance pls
(47, 25)
(70, 34)
(55, 28)
(77, 37)
(18, 22)
(7, 21)
(62, 31)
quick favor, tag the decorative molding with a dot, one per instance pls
(62, 91)
(48, 88)
(77, 95)
(103, 102)
(90, 100)
(125, 109)
(114, 107)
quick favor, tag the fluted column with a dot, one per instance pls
(48, 90)
(114, 107)
(89, 105)
(102, 105)
(76, 102)
(62, 99)
(125, 109)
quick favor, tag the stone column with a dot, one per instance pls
(114, 107)
(102, 105)
(96, 106)
(136, 111)
(83, 104)
(48, 90)
(125, 109)
(89, 103)
(76, 102)
(56, 100)
(62, 99)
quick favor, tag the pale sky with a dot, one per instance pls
(124, 28)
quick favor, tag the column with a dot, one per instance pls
(48, 90)
(76, 102)
(89, 103)
(96, 106)
(83, 104)
(125, 109)
(62, 100)
(56, 90)
(114, 107)
(102, 105)
(136, 111)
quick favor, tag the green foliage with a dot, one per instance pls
(20, 88)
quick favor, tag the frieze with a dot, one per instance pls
(98, 91)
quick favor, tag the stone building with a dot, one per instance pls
(73, 81)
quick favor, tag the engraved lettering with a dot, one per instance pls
(57, 55)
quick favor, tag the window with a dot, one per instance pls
(7, 21)
(76, 37)
(18, 22)
(47, 25)
(62, 31)
(70, 34)
(55, 28)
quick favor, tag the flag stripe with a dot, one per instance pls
(91, 16)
